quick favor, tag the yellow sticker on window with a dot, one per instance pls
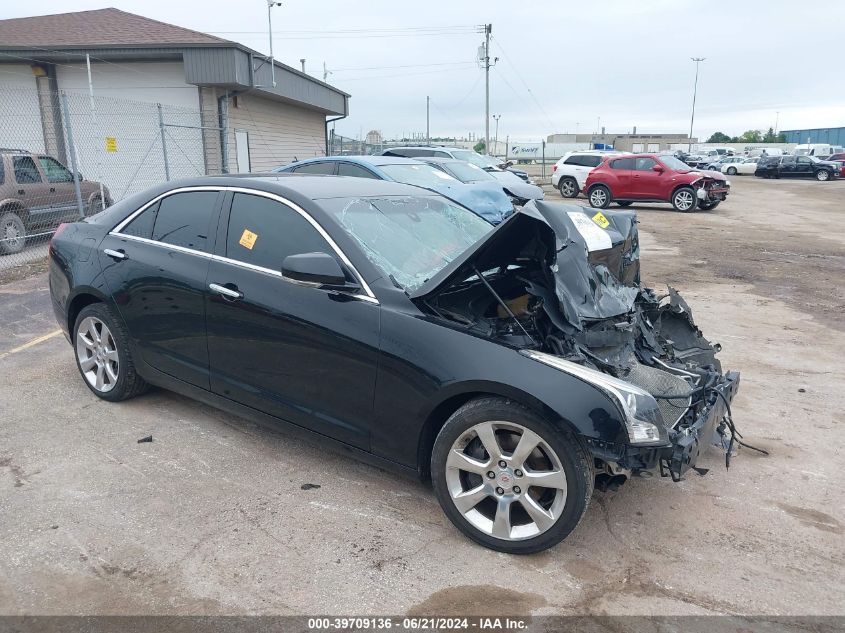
(248, 239)
(602, 221)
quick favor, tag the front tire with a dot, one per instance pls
(599, 197)
(625, 203)
(568, 187)
(684, 200)
(102, 354)
(731, 171)
(822, 175)
(12, 233)
(541, 482)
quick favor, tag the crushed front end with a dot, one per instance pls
(561, 283)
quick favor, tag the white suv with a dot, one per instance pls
(570, 173)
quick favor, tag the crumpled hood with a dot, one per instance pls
(517, 187)
(596, 253)
(486, 199)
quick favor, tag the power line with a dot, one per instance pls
(338, 70)
(519, 75)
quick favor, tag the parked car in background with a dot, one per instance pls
(744, 167)
(792, 166)
(390, 323)
(840, 159)
(654, 178)
(485, 162)
(724, 160)
(486, 199)
(817, 149)
(569, 173)
(37, 193)
(693, 160)
(518, 191)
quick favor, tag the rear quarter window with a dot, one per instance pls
(184, 219)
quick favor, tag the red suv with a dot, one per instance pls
(654, 178)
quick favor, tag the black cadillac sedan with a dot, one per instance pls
(516, 367)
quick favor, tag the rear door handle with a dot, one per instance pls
(228, 293)
(118, 255)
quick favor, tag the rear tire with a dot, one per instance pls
(105, 363)
(568, 187)
(12, 233)
(508, 513)
(684, 200)
(599, 197)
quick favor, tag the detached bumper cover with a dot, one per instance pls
(687, 445)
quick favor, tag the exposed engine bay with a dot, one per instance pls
(565, 280)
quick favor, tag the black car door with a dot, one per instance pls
(156, 266)
(302, 353)
(804, 166)
(787, 166)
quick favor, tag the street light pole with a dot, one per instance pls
(496, 137)
(697, 61)
(270, 5)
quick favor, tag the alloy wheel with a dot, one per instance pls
(567, 189)
(11, 235)
(822, 174)
(97, 354)
(684, 200)
(506, 480)
(598, 198)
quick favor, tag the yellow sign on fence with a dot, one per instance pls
(111, 144)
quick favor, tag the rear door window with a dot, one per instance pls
(142, 225)
(326, 167)
(184, 219)
(622, 163)
(25, 170)
(262, 232)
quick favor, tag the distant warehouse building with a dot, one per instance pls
(222, 107)
(829, 135)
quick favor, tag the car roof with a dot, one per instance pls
(441, 160)
(374, 161)
(441, 147)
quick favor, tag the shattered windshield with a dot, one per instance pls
(474, 158)
(411, 238)
(420, 175)
(467, 172)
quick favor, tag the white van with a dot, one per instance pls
(817, 149)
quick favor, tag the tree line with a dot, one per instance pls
(749, 136)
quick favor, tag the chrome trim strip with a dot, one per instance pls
(116, 231)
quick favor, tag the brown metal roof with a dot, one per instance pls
(100, 27)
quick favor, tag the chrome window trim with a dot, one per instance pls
(369, 296)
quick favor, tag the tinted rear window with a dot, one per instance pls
(184, 219)
(622, 163)
(316, 168)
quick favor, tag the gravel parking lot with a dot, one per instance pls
(211, 517)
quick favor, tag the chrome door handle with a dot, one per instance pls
(119, 255)
(226, 292)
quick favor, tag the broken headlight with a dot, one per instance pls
(642, 417)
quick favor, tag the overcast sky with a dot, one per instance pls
(562, 65)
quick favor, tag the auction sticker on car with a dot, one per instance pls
(248, 239)
(601, 220)
(596, 238)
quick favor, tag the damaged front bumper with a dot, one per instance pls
(685, 444)
(690, 442)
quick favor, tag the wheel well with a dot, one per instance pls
(16, 208)
(443, 411)
(76, 305)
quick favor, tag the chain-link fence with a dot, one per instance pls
(67, 155)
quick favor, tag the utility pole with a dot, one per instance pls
(427, 128)
(270, 5)
(496, 117)
(488, 29)
(777, 116)
(697, 61)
